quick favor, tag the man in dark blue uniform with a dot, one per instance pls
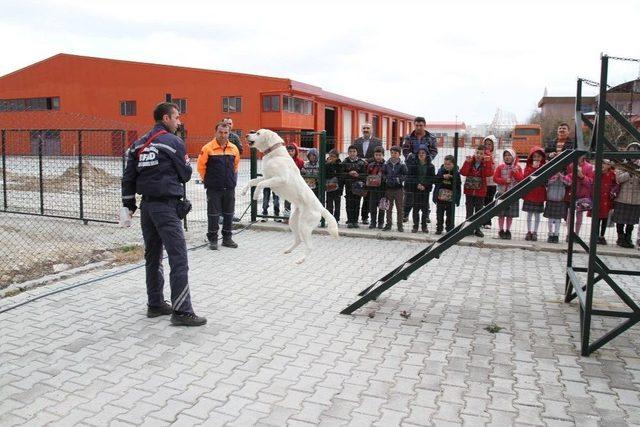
(157, 167)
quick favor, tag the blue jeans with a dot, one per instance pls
(266, 195)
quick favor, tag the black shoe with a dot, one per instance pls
(386, 227)
(534, 237)
(263, 220)
(213, 245)
(528, 236)
(400, 229)
(425, 229)
(556, 239)
(438, 231)
(550, 239)
(380, 226)
(187, 319)
(372, 226)
(602, 240)
(161, 310)
(478, 233)
(278, 220)
(428, 221)
(235, 219)
(623, 243)
(414, 229)
(501, 234)
(350, 225)
(405, 219)
(229, 243)
(355, 225)
(365, 221)
(507, 235)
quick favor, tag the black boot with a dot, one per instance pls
(229, 243)
(622, 241)
(213, 244)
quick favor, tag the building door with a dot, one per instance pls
(50, 140)
(375, 122)
(330, 127)
(394, 132)
(385, 128)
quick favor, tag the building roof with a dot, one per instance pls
(330, 96)
(563, 100)
(294, 85)
(447, 125)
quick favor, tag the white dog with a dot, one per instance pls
(281, 174)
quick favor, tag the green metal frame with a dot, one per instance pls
(596, 269)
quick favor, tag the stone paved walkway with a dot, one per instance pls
(276, 351)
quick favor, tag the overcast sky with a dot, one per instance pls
(441, 60)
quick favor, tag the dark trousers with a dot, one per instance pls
(377, 215)
(353, 207)
(420, 203)
(473, 204)
(266, 195)
(395, 196)
(364, 212)
(443, 208)
(491, 194)
(621, 229)
(161, 227)
(409, 191)
(603, 226)
(220, 203)
(333, 203)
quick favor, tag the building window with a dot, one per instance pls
(297, 105)
(127, 108)
(271, 103)
(181, 103)
(232, 104)
(30, 104)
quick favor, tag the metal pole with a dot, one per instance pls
(455, 176)
(602, 99)
(124, 149)
(322, 177)
(254, 175)
(4, 168)
(80, 190)
(40, 173)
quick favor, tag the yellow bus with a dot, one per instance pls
(524, 137)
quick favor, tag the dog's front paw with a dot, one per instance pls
(245, 190)
(256, 194)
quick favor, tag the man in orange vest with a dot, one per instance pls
(218, 168)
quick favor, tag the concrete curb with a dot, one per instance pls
(467, 241)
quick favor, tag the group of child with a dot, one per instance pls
(487, 175)
(619, 193)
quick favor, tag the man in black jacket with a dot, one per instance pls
(366, 146)
(157, 167)
(561, 143)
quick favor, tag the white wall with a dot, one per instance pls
(346, 128)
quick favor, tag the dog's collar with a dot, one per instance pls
(273, 147)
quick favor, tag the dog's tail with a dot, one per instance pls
(332, 225)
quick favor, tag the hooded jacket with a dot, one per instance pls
(629, 184)
(394, 174)
(607, 183)
(585, 184)
(311, 169)
(296, 157)
(484, 171)
(506, 175)
(538, 194)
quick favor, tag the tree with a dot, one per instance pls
(548, 123)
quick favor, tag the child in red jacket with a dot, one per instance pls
(606, 198)
(476, 169)
(534, 200)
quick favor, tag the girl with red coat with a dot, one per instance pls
(584, 189)
(534, 200)
(476, 169)
(607, 183)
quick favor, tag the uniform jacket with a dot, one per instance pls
(157, 171)
(538, 194)
(218, 167)
(450, 184)
(484, 171)
(394, 174)
(349, 165)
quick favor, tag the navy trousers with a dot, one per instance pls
(161, 227)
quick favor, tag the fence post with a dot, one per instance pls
(322, 176)
(455, 176)
(124, 149)
(4, 167)
(40, 173)
(254, 174)
(80, 190)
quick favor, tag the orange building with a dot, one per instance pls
(79, 92)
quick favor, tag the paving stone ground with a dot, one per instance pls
(276, 351)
